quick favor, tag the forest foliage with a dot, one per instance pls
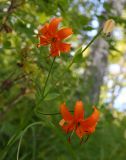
(28, 131)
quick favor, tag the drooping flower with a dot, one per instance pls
(76, 122)
(50, 35)
(108, 26)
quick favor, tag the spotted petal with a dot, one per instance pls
(64, 47)
(80, 132)
(68, 127)
(43, 41)
(54, 49)
(67, 116)
(89, 124)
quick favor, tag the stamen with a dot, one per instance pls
(84, 140)
(68, 130)
(53, 39)
(69, 139)
(81, 141)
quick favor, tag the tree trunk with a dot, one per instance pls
(98, 60)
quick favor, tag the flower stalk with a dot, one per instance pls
(71, 63)
(48, 75)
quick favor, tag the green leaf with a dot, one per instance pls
(51, 96)
(7, 44)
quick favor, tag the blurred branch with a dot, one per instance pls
(11, 104)
(8, 83)
(14, 4)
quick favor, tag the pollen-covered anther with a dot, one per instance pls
(61, 123)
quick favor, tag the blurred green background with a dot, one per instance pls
(97, 78)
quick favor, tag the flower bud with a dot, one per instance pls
(108, 26)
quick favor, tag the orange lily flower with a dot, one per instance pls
(49, 34)
(77, 123)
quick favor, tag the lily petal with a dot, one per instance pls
(80, 132)
(64, 47)
(44, 30)
(89, 130)
(68, 127)
(54, 49)
(64, 33)
(67, 116)
(53, 26)
(79, 111)
(43, 41)
(90, 122)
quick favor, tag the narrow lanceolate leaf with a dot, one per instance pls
(51, 96)
(63, 139)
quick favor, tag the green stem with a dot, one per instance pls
(99, 32)
(46, 114)
(22, 134)
(95, 37)
(71, 63)
(34, 145)
(19, 146)
(48, 75)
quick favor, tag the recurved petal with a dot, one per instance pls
(54, 49)
(79, 131)
(53, 26)
(79, 111)
(64, 47)
(64, 33)
(43, 41)
(91, 121)
(44, 30)
(68, 127)
(67, 116)
(89, 130)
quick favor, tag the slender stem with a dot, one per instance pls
(19, 146)
(93, 39)
(48, 75)
(71, 63)
(69, 139)
(46, 114)
(34, 146)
